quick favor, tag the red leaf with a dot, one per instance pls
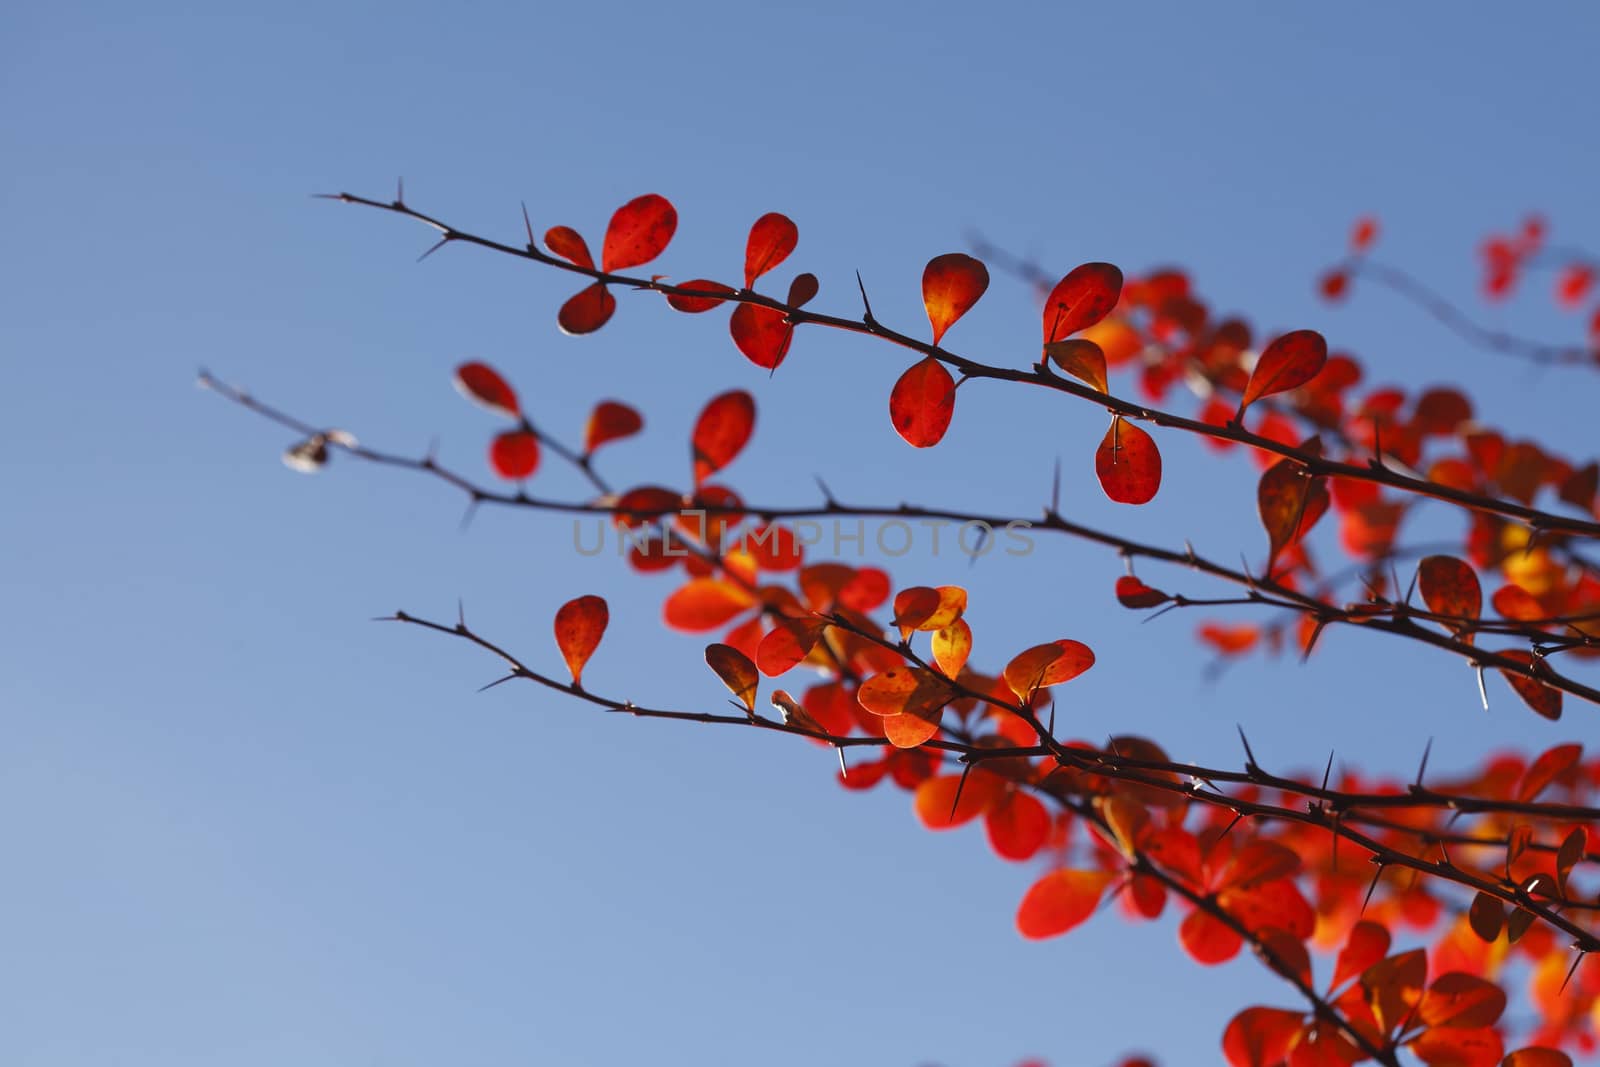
(1288, 362)
(1449, 587)
(802, 289)
(1363, 233)
(716, 293)
(772, 238)
(951, 284)
(1207, 940)
(1059, 901)
(514, 455)
(1128, 463)
(1018, 826)
(481, 383)
(638, 233)
(1367, 944)
(761, 334)
(1260, 1037)
(580, 624)
(721, 432)
(936, 804)
(1551, 764)
(1537, 1056)
(1538, 696)
(789, 643)
(611, 420)
(567, 243)
(922, 402)
(1289, 502)
(587, 310)
(1458, 1048)
(1132, 593)
(1081, 299)
(1573, 284)
(1462, 1002)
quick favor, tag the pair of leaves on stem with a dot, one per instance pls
(514, 454)
(639, 231)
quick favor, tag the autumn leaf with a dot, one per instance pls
(514, 455)
(772, 238)
(922, 402)
(736, 672)
(610, 421)
(703, 295)
(567, 243)
(951, 285)
(586, 312)
(1132, 593)
(482, 384)
(1260, 1037)
(638, 233)
(1289, 502)
(1128, 463)
(1449, 587)
(705, 604)
(721, 432)
(951, 646)
(1083, 359)
(1289, 361)
(1059, 901)
(1534, 693)
(761, 333)
(1045, 665)
(1084, 297)
(579, 625)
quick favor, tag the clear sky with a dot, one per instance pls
(243, 825)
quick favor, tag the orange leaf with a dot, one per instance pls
(708, 294)
(1046, 665)
(761, 333)
(580, 624)
(514, 455)
(789, 643)
(1261, 861)
(905, 691)
(704, 604)
(922, 402)
(587, 311)
(1393, 986)
(482, 383)
(936, 804)
(1449, 587)
(567, 243)
(1260, 1037)
(721, 432)
(951, 647)
(1128, 463)
(610, 421)
(951, 284)
(1081, 299)
(1289, 361)
(1059, 901)
(1207, 940)
(922, 608)
(736, 672)
(1229, 640)
(638, 233)
(1515, 602)
(1551, 764)
(772, 238)
(909, 731)
(1080, 358)
(1537, 1056)
(1017, 826)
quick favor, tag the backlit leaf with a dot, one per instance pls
(1534, 693)
(1447, 1047)
(1289, 503)
(514, 455)
(1393, 986)
(587, 310)
(789, 643)
(567, 243)
(951, 646)
(736, 672)
(1128, 463)
(611, 420)
(1449, 587)
(481, 383)
(905, 691)
(707, 295)
(1551, 764)
(936, 804)
(1260, 1037)
(721, 432)
(1132, 593)
(1367, 943)
(1018, 825)
(922, 608)
(1083, 359)
(1570, 853)
(1059, 901)
(801, 290)
(638, 233)
(1048, 664)
(951, 284)
(1537, 1056)
(579, 625)
(1207, 940)
(1462, 1002)
(705, 604)
(1289, 362)
(922, 402)
(761, 333)
(772, 238)
(1487, 916)
(1084, 297)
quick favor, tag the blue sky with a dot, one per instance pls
(245, 825)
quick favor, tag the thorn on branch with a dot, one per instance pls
(1250, 757)
(865, 303)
